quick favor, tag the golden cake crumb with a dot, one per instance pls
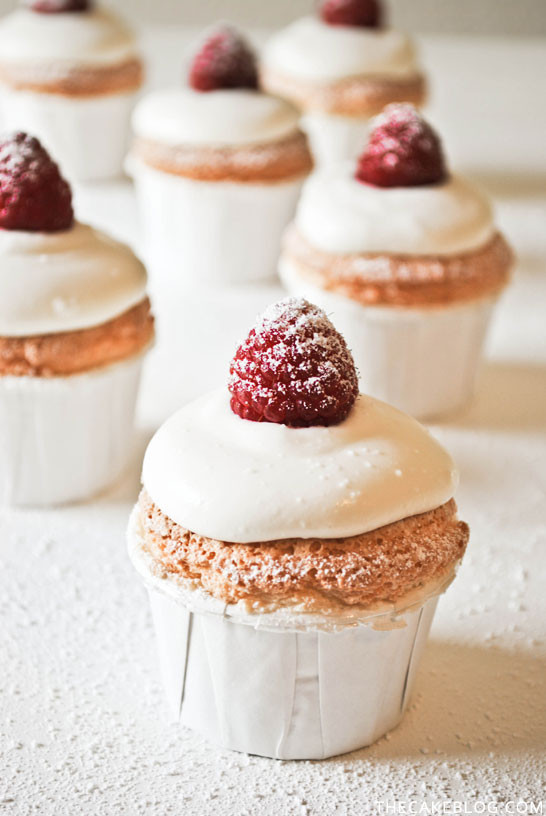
(384, 565)
(375, 279)
(280, 160)
(355, 96)
(72, 352)
(74, 81)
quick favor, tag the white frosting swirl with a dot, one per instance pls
(339, 214)
(65, 281)
(182, 116)
(228, 478)
(94, 38)
(309, 49)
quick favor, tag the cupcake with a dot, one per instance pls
(341, 67)
(74, 324)
(406, 258)
(218, 167)
(294, 537)
(69, 73)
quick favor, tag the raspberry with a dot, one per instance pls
(56, 6)
(402, 151)
(225, 60)
(294, 368)
(33, 195)
(363, 13)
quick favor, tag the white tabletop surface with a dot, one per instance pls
(84, 728)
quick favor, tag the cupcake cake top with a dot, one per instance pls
(220, 104)
(56, 274)
(290, 449)
(400, 198)
(344, 39)
(65, 32)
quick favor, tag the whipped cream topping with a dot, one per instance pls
(310, 49)
(65, 281)
(88, 38)
(182, 116)
(339, 214)
(235, 480)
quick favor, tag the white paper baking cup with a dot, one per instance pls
(87, 136)
(201, 233)
(281, 685)
(335, 138)
(423, 361)
(65, 438)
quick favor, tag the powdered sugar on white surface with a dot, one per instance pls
(84, 727)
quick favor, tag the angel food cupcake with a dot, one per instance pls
(294, 536)
(341, 67)
(69, 72)
(406, 259)
(218, 168)
(74, 324)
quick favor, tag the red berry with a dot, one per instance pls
(34, 197)
(225, 60)
(363, 13)
(402, 151)
(294, 368)
(56, 6)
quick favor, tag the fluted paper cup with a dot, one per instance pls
(65, 438)
(424, 361)
(199, 233)
(335, 138)
(279, 685)
(87, 136)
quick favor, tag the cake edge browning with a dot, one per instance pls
(376, 279)
(359, 96)
(383, 566)
(74, 80)
(74, 352)
(281, 160)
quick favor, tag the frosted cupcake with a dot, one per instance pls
(406, 259)
(74, 324)
(294, 537)
(69, 73)
(341, 67)
(218, 167)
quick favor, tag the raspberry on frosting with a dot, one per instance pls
(402, 151)
(294, 368)
(34, 197)
(225, 60)
(57, 6)
(362, 13)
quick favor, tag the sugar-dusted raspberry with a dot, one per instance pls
(402, 151)
(363, 13)
(294, 368)
(225, 60)
(34, 197)
(57, 6)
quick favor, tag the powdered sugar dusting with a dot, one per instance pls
(294, 367)
(33, 195)
(403, 150)
(225, 60)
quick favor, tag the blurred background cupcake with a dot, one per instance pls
(218, 166)
(74, 324)
(69, 72)
(341, 66)
(406, 259)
